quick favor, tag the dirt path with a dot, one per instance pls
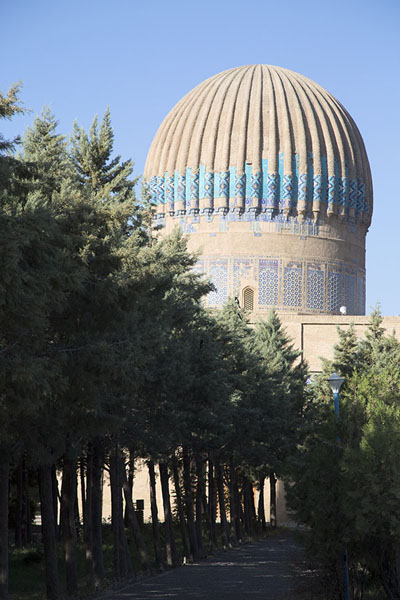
(270, 569)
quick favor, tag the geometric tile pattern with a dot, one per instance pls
(242, 269)
(334, 291)
(331, 190)
(349, 293)
(268, 281)
(315, 288)
(219, 277)
(169, 192)
(361, 295)
(292, 284)
(302, 185)
(261, 189)
(317, 195)
(288, 200)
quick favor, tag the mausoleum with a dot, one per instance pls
(268, 175)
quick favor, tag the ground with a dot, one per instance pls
(274, 568)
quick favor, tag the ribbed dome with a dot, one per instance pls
(264, 138)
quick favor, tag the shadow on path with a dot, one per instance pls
(271, 569)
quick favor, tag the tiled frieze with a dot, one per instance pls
(262, 190)
(288, 285)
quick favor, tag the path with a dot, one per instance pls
(270, 569)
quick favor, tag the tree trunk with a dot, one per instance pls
(212, 505)
(181, 512)
(68, 526)
(56, 495)
(222, 510)
(154, 516)
(134, 524)
(28, 516)
(236, 530)
(4, 485)
(87, 511)
(122, 559)
(169, 530)
(83, 488)
(199, 504)
(76, 507)
(261, 510)
(97, 540)
(48, 531)
(19, 508)
(239, 505)
(93, 525)
(389, 568)
(115, 510)
(187, 482)
(130, 477)
(207, 506)
(272, 489)
(247, 507)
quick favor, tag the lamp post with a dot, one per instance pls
(335, 381)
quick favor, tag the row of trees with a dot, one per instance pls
(107, 354)
(348, 494)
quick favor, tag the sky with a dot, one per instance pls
(140, 58)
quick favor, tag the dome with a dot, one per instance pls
(265, 138)
(268, 175)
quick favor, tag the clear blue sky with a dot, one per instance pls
(140, 58)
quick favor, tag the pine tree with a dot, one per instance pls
(48, 182)
(98, 172)
(31, 287)
(346, 352)
(348, 492)
(283, 385)
(10, 105)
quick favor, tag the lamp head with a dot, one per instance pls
(335, 381)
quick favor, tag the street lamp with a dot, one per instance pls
(335, 381)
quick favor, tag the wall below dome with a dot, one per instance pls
(296, 267)
(316, 335)
(291, 285)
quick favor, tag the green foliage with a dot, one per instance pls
(345, 476)
(103, 334)
(10, 105)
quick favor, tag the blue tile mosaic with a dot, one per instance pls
(292, 286)
(335, 289)
(302, 186)
(218, 274)
(268, 282)
(263, 189)
(312, 287)
(349, 293)
(361, 296)
(315, 288)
